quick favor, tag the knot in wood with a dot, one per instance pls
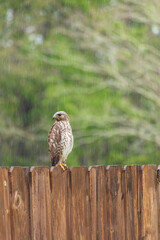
(5, 183)
(17, 200)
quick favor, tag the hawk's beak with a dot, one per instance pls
(54, 117)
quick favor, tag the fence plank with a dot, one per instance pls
(158, 196)
(19, 179)
(149, 209)
(80, 219)
(98, 202)
(115, 199)
(131, 201)
(40, 203)
(5, 226)
(60, 195)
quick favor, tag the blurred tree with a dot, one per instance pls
(96, 60)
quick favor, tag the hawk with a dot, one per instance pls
(60, 140)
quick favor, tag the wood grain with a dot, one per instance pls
(40, 197)
(98, 202)
(115, 199)
(131, 201)
(5, 225)
(80, 209)
(20, 209)
(60, 205)
(158, 196)
(149, 207)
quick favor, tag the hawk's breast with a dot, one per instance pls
(66, 139)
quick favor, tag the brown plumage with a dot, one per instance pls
(60, 139)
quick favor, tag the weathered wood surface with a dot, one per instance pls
(80, 209)
(115, 197)
(40, 201)
(149, 203)
(131, 201)
(99, 203)
(158, 199)
(20, 208)
(60, 204)
(5, 223)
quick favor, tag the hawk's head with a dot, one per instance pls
(61, 116)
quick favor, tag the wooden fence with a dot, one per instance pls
(99, 203)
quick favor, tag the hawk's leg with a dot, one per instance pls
(63, 166)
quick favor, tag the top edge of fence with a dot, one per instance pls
(107, 167)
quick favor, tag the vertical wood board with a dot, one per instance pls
(149, 203)
(80, 209)
(60, 203)
(115, 199)
(5, 225)
(98, 204)
(20, 200)
(40, 203)
(131, 201)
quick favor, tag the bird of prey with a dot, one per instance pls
(60, 140)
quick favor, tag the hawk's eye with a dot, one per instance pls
(59, 114)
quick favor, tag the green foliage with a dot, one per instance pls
(96, 60)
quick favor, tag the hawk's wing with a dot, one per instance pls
(54, 138)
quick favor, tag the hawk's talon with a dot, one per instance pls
(63, 166)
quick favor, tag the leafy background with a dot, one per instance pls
(96, 60)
